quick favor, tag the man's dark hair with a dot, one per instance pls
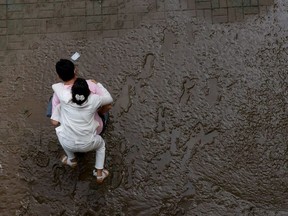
(65, 69)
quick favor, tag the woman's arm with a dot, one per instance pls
(95, 89)
(56, 115)
(106, 97)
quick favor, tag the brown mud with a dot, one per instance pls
(198, 126)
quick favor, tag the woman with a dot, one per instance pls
(77, 131)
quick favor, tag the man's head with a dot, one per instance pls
(65, 69)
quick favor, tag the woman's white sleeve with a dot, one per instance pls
(56, 114)
(106, 97)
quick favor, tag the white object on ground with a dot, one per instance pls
(75, 56)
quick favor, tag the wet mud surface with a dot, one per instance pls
(198, 125)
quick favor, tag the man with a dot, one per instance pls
(76, 132)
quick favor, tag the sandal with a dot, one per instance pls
(64, 159)
(100, 179)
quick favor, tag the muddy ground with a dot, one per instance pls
(198, 125)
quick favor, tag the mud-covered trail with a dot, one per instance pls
(198, 125)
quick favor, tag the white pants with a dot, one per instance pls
(72, 146)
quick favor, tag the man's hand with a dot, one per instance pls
(94, 81)
(104, 109)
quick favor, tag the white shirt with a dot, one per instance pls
(77, 121)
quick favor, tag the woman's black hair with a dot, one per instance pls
(80, 91)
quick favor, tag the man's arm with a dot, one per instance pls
(103, 109)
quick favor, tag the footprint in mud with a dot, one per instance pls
(18, 87)
(174, 141)
(114, 163)
(196, 142)
(133, 87)
(41, 159)
(187, 90)
(212, 91)
(147, 66)
(160, 120)
(12, 148)
(58, 173)
(124, 102)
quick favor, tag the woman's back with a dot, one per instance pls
(77, 121)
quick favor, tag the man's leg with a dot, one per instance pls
(49, 108)
(105, 119)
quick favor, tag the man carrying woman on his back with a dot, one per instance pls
(76, 104)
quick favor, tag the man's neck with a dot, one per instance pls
(70, 82)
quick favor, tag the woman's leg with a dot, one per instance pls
(69, 153)
(70, 158)
(99, 146)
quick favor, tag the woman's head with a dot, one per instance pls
(80, 91)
